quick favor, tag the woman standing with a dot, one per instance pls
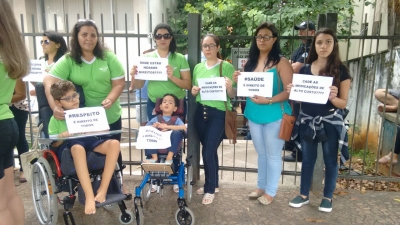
(323, 60)
(96, 69)
(265, 114)
(14, 64)
(210, 115)
(54, 47)
(178, 70)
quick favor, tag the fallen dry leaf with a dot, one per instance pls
(315, 220)
(397, 200)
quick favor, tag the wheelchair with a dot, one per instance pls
(49, 176)
(167, 174)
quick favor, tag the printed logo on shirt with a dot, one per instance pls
(103, 69)
(305, 54)
(174, 67)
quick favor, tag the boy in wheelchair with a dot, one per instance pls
(164, 122)
(65, 96)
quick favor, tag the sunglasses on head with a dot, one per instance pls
(160, 36)
(85, 20)
(46, 42)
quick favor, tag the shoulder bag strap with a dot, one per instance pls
(220, 74)
(280, 84)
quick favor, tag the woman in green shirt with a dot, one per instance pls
(14, 64)
(96, 69)
(210, 115)
(178, 70)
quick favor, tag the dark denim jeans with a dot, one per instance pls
(210, 127)
(21, 117)
(330, 155)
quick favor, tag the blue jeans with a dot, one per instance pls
(330, 155)
(176, 139)
(269, 149)
(210, 127)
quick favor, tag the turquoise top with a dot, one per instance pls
(266, 113)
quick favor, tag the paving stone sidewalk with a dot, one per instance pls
(231, 206)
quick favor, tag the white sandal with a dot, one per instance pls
(200, 191)
(176, 188)
(207, 198)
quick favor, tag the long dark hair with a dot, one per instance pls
(274, 55)
(333, 64)
(58, 39)
(216, 40)
(76, 51)
(172, 44)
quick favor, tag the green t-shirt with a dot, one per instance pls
(202, 71)
(56, 127)
(157, 89)
(95, 77)
(6, 93)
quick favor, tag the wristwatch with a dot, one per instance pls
(270, 101)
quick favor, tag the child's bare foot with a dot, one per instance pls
(389, 108)
(90, 206)
(101, 195)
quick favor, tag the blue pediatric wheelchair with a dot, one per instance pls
(161, 174)
(49, 176)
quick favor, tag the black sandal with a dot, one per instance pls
(128, 196)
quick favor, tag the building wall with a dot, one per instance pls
(130, 16)
(370, 15)
(376, 72)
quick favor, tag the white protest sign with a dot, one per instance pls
(151, 68)
(255, 83)
(152, 138)
(37, 72)
(212, 88)
(308, 88)
(83, 120)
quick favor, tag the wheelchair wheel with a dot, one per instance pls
(184, 216)
(139, 216)
(43, 187)
(146, 192)
(189, 186)
(126, 219)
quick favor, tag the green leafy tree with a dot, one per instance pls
(235, 20)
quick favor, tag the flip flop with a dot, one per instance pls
(175, 188)
(386, 159)
(200, 191)
(207, 199)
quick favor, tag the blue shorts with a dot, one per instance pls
(8, 140)
(88, 143)
(395, 93)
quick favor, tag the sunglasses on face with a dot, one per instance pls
(46, 42)
(160, 36)
(71, 98)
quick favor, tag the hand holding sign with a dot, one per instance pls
(313, 89)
